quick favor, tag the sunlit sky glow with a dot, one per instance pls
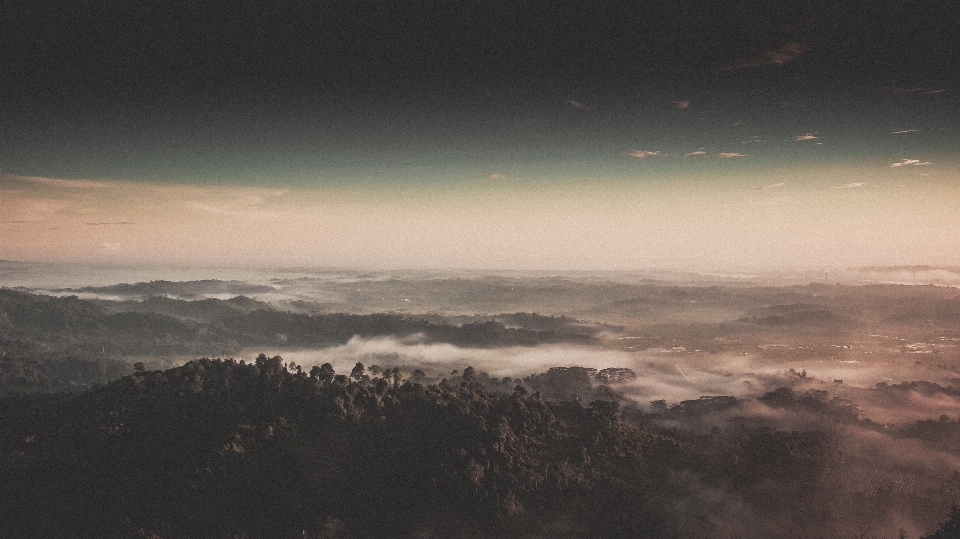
(442, 144)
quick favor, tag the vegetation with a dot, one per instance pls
(225, 449)
(50, 343)
(220, 448)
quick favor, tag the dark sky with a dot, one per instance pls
(483, 132)
(154, 79)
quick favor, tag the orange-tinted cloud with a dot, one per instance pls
(771, 186)
(642, 154)
(909, 163)
(850, 185)
(777, 56)
(57, 182)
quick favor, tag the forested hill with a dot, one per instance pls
(60, 343)
(225, 449)
(91, 324)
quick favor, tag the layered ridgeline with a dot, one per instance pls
(57, 343)
(223, 448)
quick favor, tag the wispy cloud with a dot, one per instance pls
(111, 246)
(776, 56)
(903, 131)
(915, 90)
(850, 185)
(703, 153)
(57, 182)
(113, 223)
(681, 105)
(27, 209)
(771, 186)
(642, 154)
(909, 162)
(805, 136)
(578, 105)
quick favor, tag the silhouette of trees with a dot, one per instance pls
(220, 449)
(359, 372)
(950, 528)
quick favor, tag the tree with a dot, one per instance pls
(949, 529)
(139, 366)
(397, 377)
(358, 372)
(267, 365)
(616, 374)
(324, 373)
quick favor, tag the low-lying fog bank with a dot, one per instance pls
(660, 376)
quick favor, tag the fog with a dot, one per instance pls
(661, 376)
(869, 372)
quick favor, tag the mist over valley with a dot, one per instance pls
(827, 409)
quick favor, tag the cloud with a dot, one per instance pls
(805, 136)
(495, 176)
(114, 223)
(849, 185)
(412, 352)
(698, 152)
(728, 154)
(25, 209)
(681, 105)
(641, 154)
(247, 204)
(902, 131)
(111, 246)
(578, 105)
(771, 186)
(777, 56)
(57, 182)
(909, 162)
(925, 91)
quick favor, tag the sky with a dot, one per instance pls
(484, 134)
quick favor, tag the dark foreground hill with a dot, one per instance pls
(225, 449)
